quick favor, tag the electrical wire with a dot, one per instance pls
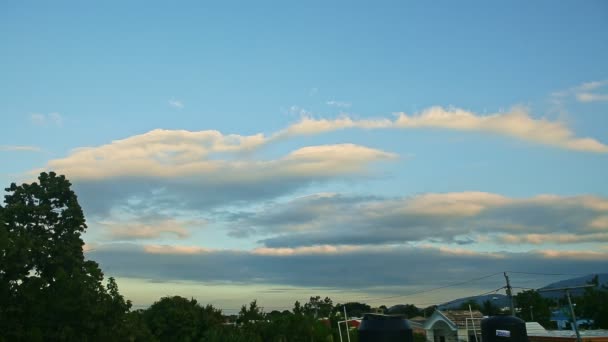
(433, 289)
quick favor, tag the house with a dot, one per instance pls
(563, 320)
(453, 326)
(538, 335)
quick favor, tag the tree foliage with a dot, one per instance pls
(531, 303)
(177, 318)
(594, 304)
(48, 290)
(408, 310)
(489, 309)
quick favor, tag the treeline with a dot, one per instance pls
(181, 319)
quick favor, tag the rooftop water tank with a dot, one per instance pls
(503, 329)
(385, 328)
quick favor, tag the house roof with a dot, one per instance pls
(456, 319)
(534, 328)
(459, 317)
(418, 319)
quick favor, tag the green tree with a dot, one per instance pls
(531, 303)
(489, 309)
(180, 319)
(136, 329)
(470, 303)
(354, 309)
(408, 310)
(47, 288)
(318, 307)
(252, 314)
(594, 304)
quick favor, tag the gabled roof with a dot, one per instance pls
(455, 319)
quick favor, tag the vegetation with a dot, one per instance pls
(47, 288)
(594, 304)
(533, 307)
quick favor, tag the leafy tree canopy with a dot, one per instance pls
(47, 287)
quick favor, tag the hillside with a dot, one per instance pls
(572, 282)
(498, 300)
(501, 300)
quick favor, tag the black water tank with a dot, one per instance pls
(385, 328)
(503, 329)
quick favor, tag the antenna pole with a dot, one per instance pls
(346, 321)
(567, 290)
(578, 335)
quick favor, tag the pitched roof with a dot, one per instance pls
(459, 317)
(534, 328)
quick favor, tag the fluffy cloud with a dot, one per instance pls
(328, 219)
(516, 123)
(587, 92)
(197, 170)
(140, 230)
(182, 154)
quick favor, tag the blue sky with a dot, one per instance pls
(309, 136)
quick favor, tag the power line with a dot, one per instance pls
(548, 274)
(433, 289)
(478, 295)
(523, 288)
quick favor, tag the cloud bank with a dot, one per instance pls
(335, 267)
(461, 218)
(516, 123)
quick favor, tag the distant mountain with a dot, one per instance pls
(602, 279)
(498, 300)
(501, 300)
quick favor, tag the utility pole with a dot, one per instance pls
(510, 294)
(567, 290)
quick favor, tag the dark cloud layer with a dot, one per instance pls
(451, 218)
(396, 266)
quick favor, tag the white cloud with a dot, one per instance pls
(44, 119)
(140, 230)
(179, 169)
(310, 250)
(174, 154)
(516, 123)
(176, 250)
(176, 104)
(339, 104)
(590, 97)
(586, 92)
(23, 148)
(161, 153)
(310, 126)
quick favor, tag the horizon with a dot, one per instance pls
(232, 152)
